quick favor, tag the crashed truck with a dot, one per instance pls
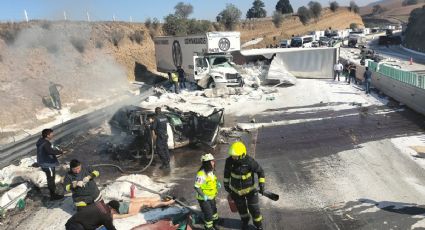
(205, 58)
(183, 128)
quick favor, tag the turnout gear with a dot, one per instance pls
(237, 149)
(239, 181)
(83, 193)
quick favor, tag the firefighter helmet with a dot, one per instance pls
(207, 157)
(237, 149)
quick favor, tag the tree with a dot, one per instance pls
(148, 23)
(277, 19)
(284, 7)
(183, 10)
(304, 14)
(174, 25)
(377, 9)
(229, 17)
(257, 10)
(155, 23)
(198, 26)
(334, 6)
(315, 8)
(354, 7)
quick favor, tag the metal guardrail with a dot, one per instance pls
(407, 77)
(18, 149)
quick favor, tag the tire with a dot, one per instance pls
(211, 84)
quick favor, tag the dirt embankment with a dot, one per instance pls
(341, 19)
(93, 61)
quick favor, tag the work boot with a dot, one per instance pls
(245, 226)
(56, 197)
(215, 224)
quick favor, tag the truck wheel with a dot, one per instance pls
(211, 84)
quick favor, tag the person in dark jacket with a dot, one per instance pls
(239, 171)
(92, 217)
(80, 181)
(54, 94)
(159, 125)
(47, 160)
(367, 79)
(182, 77)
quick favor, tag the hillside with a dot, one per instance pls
(415, 31)
(95, 61)
(341, 19)
(395, 11)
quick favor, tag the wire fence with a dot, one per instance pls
(410, 78)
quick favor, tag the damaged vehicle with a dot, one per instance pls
(183, 128)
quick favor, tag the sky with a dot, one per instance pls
(126, 10)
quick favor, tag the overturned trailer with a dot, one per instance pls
(183, 128)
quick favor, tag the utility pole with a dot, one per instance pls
(88, 16)
(64, 15)
(26, 15)
(113, 17)
(131, 19)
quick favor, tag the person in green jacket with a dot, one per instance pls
(206, 187)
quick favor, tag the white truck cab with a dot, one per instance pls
(205, 58)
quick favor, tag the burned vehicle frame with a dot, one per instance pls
(183, 128)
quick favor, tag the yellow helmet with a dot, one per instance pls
(237, 149)
(207, 157)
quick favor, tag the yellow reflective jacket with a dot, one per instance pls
(174, 77)
(207, 183)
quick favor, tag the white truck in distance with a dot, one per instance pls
(205, 58)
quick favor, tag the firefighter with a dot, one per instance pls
(239, 181)
(206, 187)
(159, 125)
(80, 181)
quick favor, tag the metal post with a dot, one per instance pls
(64, 15)
(26, 15)
(88, 16)
(113, 17)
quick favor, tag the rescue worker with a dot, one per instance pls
(79, 181)
(206, 187)
(182, 77)
(47, 160)
(54, 95)
(159, 125)
(239, 181)
(367, 79)
(175, 81)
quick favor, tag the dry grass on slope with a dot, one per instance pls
(292, 26)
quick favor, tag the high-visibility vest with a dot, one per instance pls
(174, 77)
(207, 183)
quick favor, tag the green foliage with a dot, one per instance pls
(257, 10)
(354, 7)
(117, 36)
(148, 23)
(198, 26)
(315, 8)
(183, 10)
(174, 25)
(277, 19)
(284, 7)
(138, 36)
(229, 17)
(415, 31)
(354, 26)
(304, 14)
(334, 6)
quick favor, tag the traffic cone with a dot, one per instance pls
(411, 61)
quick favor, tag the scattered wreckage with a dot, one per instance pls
(184, 128)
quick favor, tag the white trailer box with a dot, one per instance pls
(205, 58)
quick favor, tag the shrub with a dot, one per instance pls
(229, 17)
(10, 33)
(148, 23)
(315, 9)
(116, 37)
(155, 23)
(304, 14)
(277, 19)
(137, 36)
(78, 43)
(334, 6)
